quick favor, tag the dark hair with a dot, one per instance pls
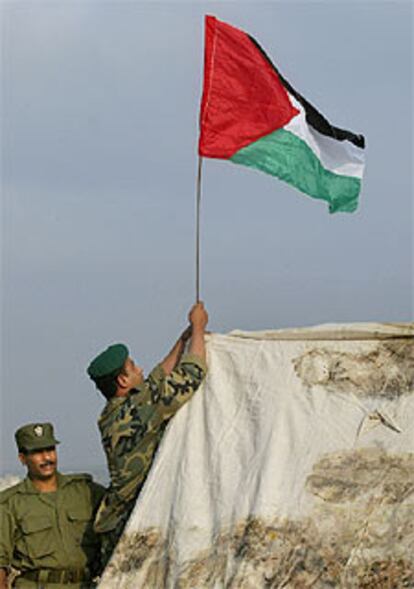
(108, 384)
(26, 452)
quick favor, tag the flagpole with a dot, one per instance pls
(200, 162)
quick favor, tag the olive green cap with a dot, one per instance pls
(108, 362)
(35, 436)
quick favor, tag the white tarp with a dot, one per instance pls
(292, 467)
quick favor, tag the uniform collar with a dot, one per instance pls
(111, 406)
(115, 402)
(28, 487)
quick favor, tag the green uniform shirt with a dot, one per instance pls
(50, 530)
(132, 427)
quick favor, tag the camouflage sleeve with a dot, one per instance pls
(7, 529)
(172, 391)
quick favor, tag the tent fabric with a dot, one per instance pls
(293, 466)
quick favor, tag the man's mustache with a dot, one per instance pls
(47, 463)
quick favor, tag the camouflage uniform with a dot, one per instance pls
(131, 428)
(49, 537)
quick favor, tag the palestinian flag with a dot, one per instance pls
(251, 115)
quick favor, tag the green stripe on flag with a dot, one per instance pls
(288, 157)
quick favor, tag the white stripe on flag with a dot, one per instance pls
(340, 157)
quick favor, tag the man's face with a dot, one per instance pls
(41, 464)
(134, 374)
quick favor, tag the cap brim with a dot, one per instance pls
(41, 445)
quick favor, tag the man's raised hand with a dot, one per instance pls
(198, 316)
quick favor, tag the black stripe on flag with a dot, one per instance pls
(313, 117)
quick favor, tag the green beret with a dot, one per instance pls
(108, 362)
(35, 436)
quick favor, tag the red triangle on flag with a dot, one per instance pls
(243, 97)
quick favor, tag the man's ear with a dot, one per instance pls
(122, 381)
(22, 458)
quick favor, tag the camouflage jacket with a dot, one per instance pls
(50, 530)
(132, 427)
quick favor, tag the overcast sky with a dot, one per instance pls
(99, 138)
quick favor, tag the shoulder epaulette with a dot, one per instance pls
(10, 491)
(79, 476)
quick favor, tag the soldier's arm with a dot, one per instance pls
(170, 391)
(6, 544)
(165, 393)
(159, 401)
(174, 356)
(198, 319)
(173, 391)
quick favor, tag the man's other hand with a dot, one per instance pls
(3, 579)
(186, 334)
